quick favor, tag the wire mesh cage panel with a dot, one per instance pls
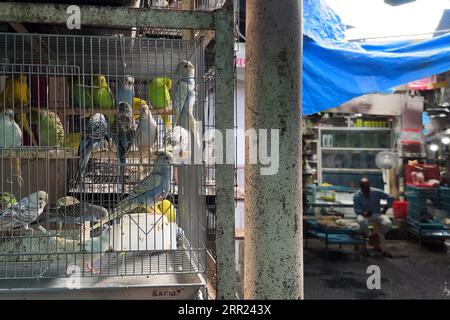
(99, 156)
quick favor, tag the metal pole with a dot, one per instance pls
(273, 203)
(224, 118)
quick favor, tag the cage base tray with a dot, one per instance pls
(136, 275)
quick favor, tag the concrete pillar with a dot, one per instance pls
(273, 213)
(224, 118)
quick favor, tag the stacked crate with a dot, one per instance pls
(417, 200)
(444, 199)
(421, 222)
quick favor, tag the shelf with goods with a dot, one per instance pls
(309, 156)
(346, 154)
(309, 162)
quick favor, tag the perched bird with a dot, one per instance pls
(24, 213)
(95, 133)
(93, 248)
(158, 92)
(146, 132)
(184, 98)
(125, 90)
(64, 201)
(10, 137)
(137, 105)
(6, 200)
(148, 190)
(101, 93)
(167, 209)
(178, 139)
(80, 94)
(76, 213)
(123, 132)
(49, 128)
(10, 133)
(16, 94)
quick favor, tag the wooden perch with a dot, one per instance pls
(106, 112)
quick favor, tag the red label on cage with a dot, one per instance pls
(240, 62)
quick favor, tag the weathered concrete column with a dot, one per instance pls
(273, 214)
(224, 117)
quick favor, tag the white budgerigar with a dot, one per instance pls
(10, 137)
(24, 213)
(93, 248)
(178, 138)
(183, 99)
(146, 132)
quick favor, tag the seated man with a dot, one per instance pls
(367, 206)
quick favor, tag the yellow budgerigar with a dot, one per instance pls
(137, 104)
(16, 94)
(166, 208)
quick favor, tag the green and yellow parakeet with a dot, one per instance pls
(7, 200)
(49, 127)
(158, 92)
(137, 105)
(16, 94)
(80, 94)
(101, 93)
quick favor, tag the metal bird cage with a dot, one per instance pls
(54, 119)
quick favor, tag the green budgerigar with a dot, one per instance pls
(7, 200)
(51, 130)
(158, 92)
(80, 94)
(101, 93)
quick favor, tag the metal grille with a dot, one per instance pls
(56, 86)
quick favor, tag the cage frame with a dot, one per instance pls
(221, 22)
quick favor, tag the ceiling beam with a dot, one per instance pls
(107, 17)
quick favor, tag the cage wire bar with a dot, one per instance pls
(66, 84)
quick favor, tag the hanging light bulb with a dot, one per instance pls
(434, 147)
(445, 140)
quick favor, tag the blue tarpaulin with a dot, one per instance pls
(335, 70)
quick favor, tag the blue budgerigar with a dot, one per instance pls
(183, 98)
(10, 137)
(125, 90)
(94, 135)
(22, 214)
(123, 132)
(149, 190)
